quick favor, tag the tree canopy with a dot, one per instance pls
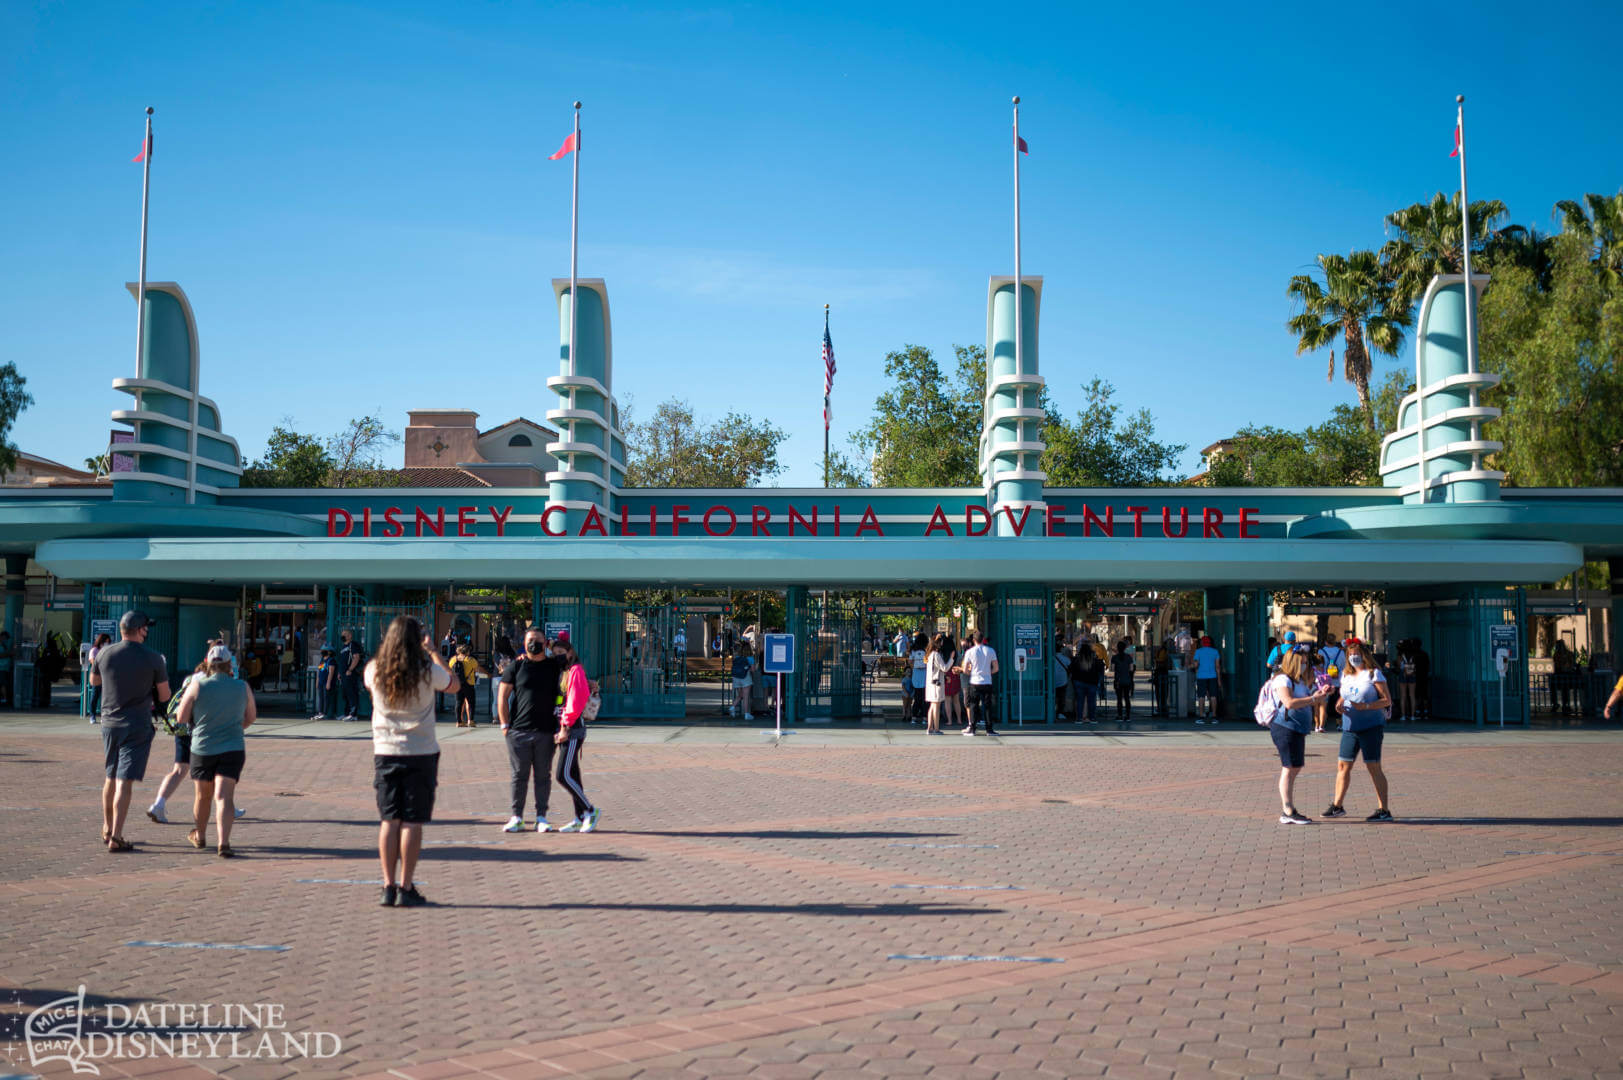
(349, 459)
(13, 400)
(1101, 448)
(925, 428)
(675, 449)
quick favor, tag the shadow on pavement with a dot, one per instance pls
(792, 834)
(833, 910)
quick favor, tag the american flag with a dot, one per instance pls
(828, 370)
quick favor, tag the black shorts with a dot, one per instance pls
(183, 749)
(206, 767)
(405, 785)
(466, 694)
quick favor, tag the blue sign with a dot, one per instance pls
(778, 654)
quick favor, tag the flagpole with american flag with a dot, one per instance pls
(828, 388)
(145, 157)
(1465, 237)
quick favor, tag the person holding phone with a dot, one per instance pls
(1294, 701)
(1366, 702)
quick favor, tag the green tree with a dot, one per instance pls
(1559, 353)
(354, 452)
(925, 428)
(1429, 242)
(673, 449)
(1100, 448)
(1356, 303)
(292, 460)
(1599, 221)
(13, 400)
(100, 465)
(847, 470)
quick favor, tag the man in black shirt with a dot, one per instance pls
(351, 658)
(526, 705)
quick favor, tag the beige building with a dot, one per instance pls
(445, 448)
(35, 471)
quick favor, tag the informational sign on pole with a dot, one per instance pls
(556, 630)
(1502, 636)
(778, 658)
(1029, 636)
(98, 627)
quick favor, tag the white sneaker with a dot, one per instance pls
(239, 812)
(156, 813)
(541, 825)
(968, 731)
(514, 824)
(589, 822)
(573, 825)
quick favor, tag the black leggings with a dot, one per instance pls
(1124, 699)
(569, 773)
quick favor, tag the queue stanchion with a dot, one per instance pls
(778, 658)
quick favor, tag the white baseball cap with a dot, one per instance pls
(219, 654)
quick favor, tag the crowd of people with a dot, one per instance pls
(543, 703)
(950, 679)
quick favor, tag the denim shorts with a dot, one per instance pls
(1292, 745)
(126, 747)
(1368, 741)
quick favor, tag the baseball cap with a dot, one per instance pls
(1290, 635)
(219, 654)
(563, 635)
(131, 621)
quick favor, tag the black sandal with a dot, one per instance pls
(226, 852)
(118, 843)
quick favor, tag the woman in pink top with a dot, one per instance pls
(574, 692)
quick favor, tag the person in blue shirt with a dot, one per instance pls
(1365, 702)
(1208, 680)
(1278, 652)
(1294, 701)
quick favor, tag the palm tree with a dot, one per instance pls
(1601, 225)
(1429, 241)
(1356, 303)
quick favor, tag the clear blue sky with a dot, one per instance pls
(358, 199)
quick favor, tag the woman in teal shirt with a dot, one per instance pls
(218, 709)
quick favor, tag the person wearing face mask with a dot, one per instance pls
(524, 708)
(1294, 701)
(1366, 702)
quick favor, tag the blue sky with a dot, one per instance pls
(358, 199)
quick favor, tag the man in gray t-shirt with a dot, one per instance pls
(133, 679)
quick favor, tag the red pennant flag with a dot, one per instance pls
(1456, 152)
(1020, 144)
(145, 150)
(568, 147)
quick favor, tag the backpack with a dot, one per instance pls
(1267, 709)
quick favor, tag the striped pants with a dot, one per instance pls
(569, 770)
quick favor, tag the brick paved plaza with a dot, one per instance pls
(773, 911)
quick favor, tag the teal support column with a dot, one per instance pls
(16, 569)
(795, 607)
(591, 448)
(1012, 417)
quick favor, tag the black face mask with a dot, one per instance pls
(534, 647)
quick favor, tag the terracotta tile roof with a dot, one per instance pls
(436, 477)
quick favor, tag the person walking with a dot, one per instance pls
(1406, 682)
(936, 669)
(1208, 680)
(467, 675)
(403, 678)
(575, 693)
(351, 654)
(174, 726)
(526, 704)
(1612, 701)
(1294, 699)
(1087, 674)
(133, 678)
(980, 662)
(1279, 652)
(1121, 670)
(1366, 702)
(217, 709)
(102, 641)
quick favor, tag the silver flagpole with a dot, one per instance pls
(141, 282)
(1019, 298)
(574, 239)
(1465, 247)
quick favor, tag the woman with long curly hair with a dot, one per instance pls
(403, 678)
